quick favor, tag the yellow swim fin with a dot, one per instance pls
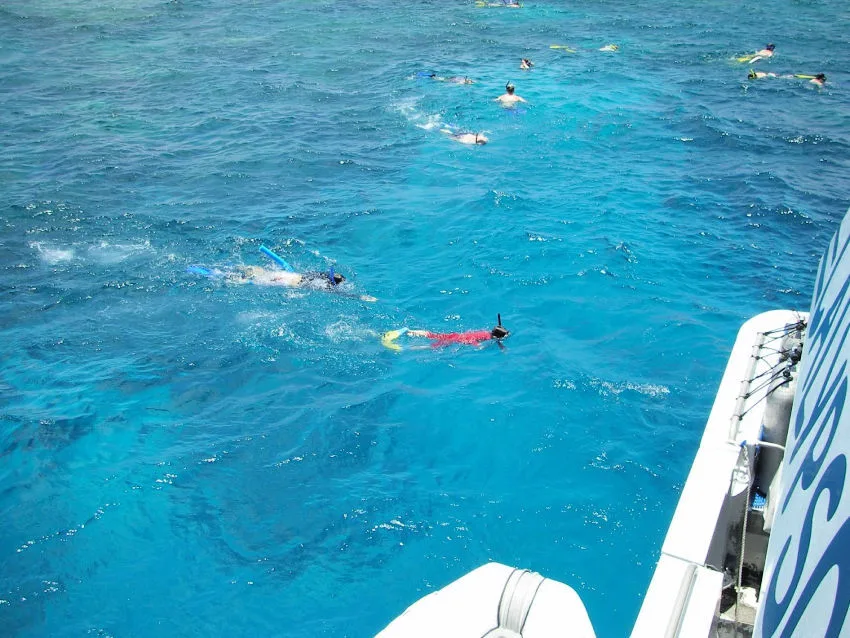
(389, 337)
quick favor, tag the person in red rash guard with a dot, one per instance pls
(468, 338)
(440, 339)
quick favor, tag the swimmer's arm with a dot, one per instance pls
(417, 333)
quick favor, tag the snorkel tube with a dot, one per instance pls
(280, 261)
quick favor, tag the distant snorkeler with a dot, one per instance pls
(758, 75)
(454, 79)
(610, 47)
(766, 52)
(509, 98)
(442, 339)
(464, 137)
(818, 80)
(526, 64)
(505, 4)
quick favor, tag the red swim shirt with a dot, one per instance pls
(470, 338)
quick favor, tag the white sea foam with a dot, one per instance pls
(108, 253)
(408, 107)
(608, 388)
(53, 254)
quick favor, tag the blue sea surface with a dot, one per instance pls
(181, 456)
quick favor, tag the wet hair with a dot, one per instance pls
(752, 75)
(509, 87)
(821, 77)
(770, 47)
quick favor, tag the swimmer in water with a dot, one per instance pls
(455, 79)
(508, 4)
(766, 52)
(509, 98)
(526, 64)
(758, 75)
(441, 339)
(328, 280)
(466, 138)
(610, 47)
(819, 80)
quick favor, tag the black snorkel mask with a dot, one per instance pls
(499, 332)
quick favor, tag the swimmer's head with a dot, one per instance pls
(752, 75)
(509, 87)
(248, 272)
(328, 278)
(334, 278)
(499, 332)
(480, 139)
(820, 77)
(770, 47)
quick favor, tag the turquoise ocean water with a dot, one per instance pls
(182, 457)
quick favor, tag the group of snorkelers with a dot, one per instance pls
(331, 281)
(508, 99)
(818, 79)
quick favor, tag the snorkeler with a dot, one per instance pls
(317, 280)
(455, 79)
(509, 98)
(508, 4)
(818, 80)
(284, 276)
(526, 64)
(442, 339)
(766, 52)
(758, 75)
(465, 137)
(610, 47)
(469, 138)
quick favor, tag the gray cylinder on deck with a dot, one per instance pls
(777, 417)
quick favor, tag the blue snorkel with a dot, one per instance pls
(331, 276)
(276, 258)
